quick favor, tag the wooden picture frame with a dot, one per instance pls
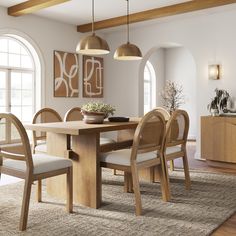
(66, 74)
(93, 77)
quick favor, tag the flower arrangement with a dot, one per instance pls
(99, 107)
(219, 102)
(172, 96)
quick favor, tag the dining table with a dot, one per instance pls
(80, 142)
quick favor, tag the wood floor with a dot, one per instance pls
(228, 228)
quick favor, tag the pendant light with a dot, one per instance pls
(92, 44)
(128, 51)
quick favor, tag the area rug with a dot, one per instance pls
(199, 211)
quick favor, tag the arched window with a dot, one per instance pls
(149, 87)
(17, 83)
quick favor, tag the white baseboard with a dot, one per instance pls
(197, 156)
(191, 137)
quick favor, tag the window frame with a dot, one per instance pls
(152, 81)
(9, 70)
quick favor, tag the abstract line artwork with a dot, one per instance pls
(66, 74)
(92, 77)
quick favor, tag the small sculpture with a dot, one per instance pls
(219, 103)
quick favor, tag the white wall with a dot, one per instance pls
(209, 36)
(48, 35)
(180, 67)
(158, 61)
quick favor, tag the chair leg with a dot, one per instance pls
(131, 187)
(128, 183)
(25, 204)
(39, 191)
(172, 167)
(164, 179)
(186, 172)
(136, 187)
(69, 200)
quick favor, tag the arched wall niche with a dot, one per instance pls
(173, 62)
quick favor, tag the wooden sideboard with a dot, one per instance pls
(218, 140)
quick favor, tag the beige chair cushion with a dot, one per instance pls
(41, 147)
(122, 157)
(42, 163)
(173, 149)
(106, 141)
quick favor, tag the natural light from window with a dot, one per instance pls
(17, 83)
(149, 87)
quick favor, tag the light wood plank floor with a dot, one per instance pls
(228, 228)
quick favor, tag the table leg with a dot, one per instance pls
(57, 145)
(87, 171)
(86, 168)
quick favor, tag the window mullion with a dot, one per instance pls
(8, 105)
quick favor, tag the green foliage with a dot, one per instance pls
(99, 107)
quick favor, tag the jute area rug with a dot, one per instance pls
(199, 211)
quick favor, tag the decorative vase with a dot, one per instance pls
(214, 112)
(93, 117)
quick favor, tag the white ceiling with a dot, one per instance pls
(78, 12)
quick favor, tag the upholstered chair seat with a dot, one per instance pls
(122, 157)
(42, 163)
(41, 148)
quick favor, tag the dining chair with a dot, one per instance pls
(176, 139)
(74, 114)
(44, 115)
(166, 114)
(144, 153)
(32, 167)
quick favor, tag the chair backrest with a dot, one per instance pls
(149, 134)
(73, 114)
(8, 118)
(44, 115)
(177, 128)
(164, 112)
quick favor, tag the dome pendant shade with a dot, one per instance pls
(92, 45)
(128, 52)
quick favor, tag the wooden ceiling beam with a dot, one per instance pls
(32, 6)
(171, 10)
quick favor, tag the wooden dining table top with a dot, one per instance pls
(80, 127)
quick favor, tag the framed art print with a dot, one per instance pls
(92, 77)
(66, 74)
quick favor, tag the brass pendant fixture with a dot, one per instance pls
(128, 51)
(92, 44)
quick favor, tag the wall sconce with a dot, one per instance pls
(214, 72)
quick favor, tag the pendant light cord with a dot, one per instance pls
(93, 17)
(127, 21)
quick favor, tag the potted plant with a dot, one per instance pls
(96, 112)
(219, 102)
(172, 96)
